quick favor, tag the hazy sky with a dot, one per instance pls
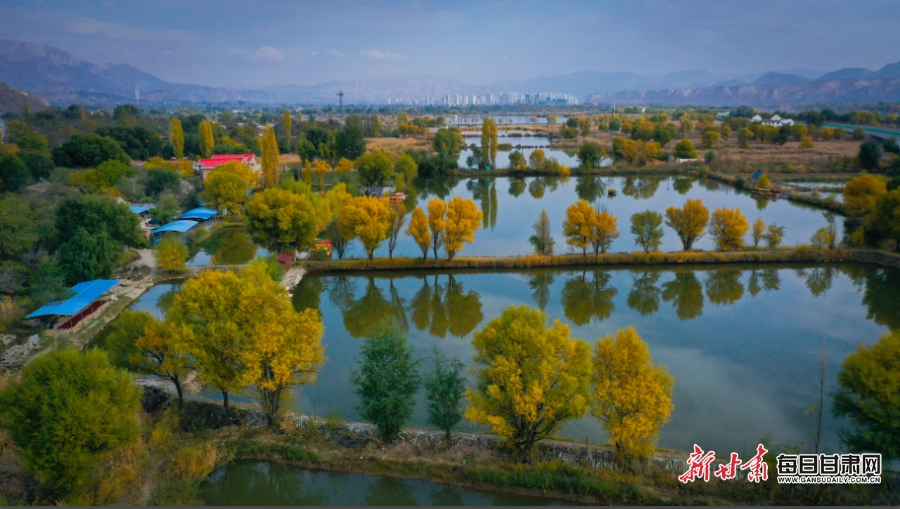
(257, 43)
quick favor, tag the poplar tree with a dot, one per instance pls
(206, 138)
(176, 137)
(489, 140)
(288, 125)
(269, 155)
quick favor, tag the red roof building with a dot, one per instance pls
(204, 166)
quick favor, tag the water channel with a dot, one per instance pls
(263, 483)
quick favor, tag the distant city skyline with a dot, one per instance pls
(230, 44)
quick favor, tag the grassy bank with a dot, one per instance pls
(804, 255)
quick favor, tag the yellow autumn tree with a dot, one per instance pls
(604, 229)
(369, 218)
(577, 225)
(344, 166)
(531, 378)
(171, 254)
(321, 168)
(280, 220)
(436, 223)
(861, 194)
(727, 228)
(764, 182)
(759, 229)
(338, 198)
(268, 147)
(243, 331)
(176, 137)
(287, 121)
(206, 138)
(160, 351)
(632, 398)
(688, 222)
(226, 186)
(463, 218)
(285, 345)
(306, 173)
(418, 229)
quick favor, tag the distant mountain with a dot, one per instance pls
(847, 73)
(888, 71)
(581, 84)
(13, 100)
(835, 91)
(775, 78)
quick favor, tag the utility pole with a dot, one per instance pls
(341, 99)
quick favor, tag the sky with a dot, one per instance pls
(276, 42)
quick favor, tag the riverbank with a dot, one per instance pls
(791, 255)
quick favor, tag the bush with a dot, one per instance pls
(68, 412)
(198, 416)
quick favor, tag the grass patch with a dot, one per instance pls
(274, 451)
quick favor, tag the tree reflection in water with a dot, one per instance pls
(230, 246)
(485, 191)
(389, 491)
(264, 484)
(540, 286)
(644, 294)
(683, 185)
(516, 186)
(686, 294)
(880, 296)
(641, 188)
(446, 308)
(536, 187)
(766, 279)
(363, 315)
(588, 298)
(819, 279)
(724, 286)
(589, 188)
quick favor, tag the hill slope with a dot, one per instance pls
(13, 100)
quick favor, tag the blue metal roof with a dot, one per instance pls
(86, 293)
(176, 226)
(140, 209)
(199, 213)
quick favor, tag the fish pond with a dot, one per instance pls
(263, 483)
(742, 342)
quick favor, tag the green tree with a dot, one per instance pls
(176, 137)
(18, 227)
(124, 332)
(773, 236)
(14, 174)
(269, 158)
(287, 121)
(489, 141)
(386, 377)
(531, 378)
(868, 394)
(632, 398)
(96, 213)
(744, 137)
(684, 149)
(869, 155)
(306, 150)
(67, 412)
(885, 219)
(444, 386)
(374, 168)
(349, 143)
(406, 166)
(86, 256)
(710, 139)
(160, 180)
(206, 138)
(647, 230)
(279, 219)
(590, 154)
(517, 162)
(88, 151)
(447, 143)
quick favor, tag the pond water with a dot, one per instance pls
(742, 342)
(511, 206)
(226, 246)
(263, 483)
(502, 120)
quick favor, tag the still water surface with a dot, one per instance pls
(742, 342)
(264, 483)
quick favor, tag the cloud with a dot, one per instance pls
(263, 53)
(381, 55)
(334, 52)
(89, 26)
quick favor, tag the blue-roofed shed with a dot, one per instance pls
(141, 209)
(87, 299)
(180, 226)
(199, 214)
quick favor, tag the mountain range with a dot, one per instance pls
(64, 78)
(13, 100)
